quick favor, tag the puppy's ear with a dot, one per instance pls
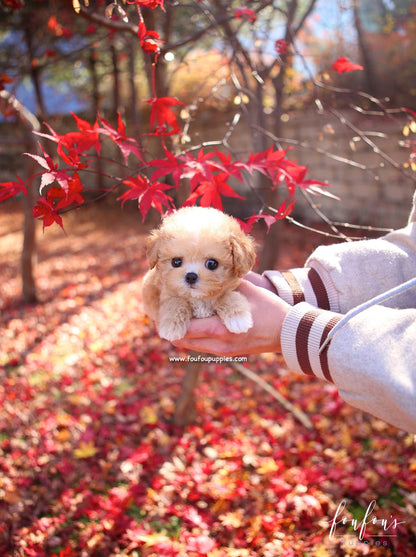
(243, 252)
(152, 248)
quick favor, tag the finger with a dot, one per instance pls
(209, 327)
(259, 280)
(207, 345)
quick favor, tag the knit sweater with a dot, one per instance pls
(371, 359)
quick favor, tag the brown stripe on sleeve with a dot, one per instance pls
(319, 289)
(323, 356)
(297, 291)
(301, 341)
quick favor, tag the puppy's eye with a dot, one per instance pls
(176, 262)
(211, 264)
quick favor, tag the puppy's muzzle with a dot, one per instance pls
(191, 278)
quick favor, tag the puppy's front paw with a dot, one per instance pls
(171, 330)
(239, 322)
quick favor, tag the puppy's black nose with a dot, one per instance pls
(191, 278)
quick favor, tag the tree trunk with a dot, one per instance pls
(134, 94)
(155, 70)
(271, 242)
(116, 78)
(95, 95)
(185, 409)
(367, 59)
(269, 254)
(96, 105)
(117, 109)
(29, 123)
(35, 74)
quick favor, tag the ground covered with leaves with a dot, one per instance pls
(92, 465)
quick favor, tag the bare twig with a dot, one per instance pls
(365, 137)
(324, 218)
(317, 231)
(288, 406)
(125, 27)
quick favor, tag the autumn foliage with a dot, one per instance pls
(208, 174)
(91, 463)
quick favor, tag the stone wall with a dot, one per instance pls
(375, 188)
(372, 190)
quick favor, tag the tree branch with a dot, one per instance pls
(297, 412)
(27, 118)
(123, 26)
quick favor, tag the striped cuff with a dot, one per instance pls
(304, 331)
(302, 285)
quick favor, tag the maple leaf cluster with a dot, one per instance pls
(208, 173)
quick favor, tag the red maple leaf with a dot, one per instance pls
(342, 65)
(248, 225)
(88, 136)
(245, 13)
(210, 192)
(148, 194)
(149, 40)
(127, 145)
(293, 173)
(169, 165)
(162, 116)
(69, 197)
(11, 189)
(276, 162)
(267, 162)
(45, 211)
(233, 168)
(72, 155)
(280, 46)
(285, 208)
(199, 169)
(75, 143)
(195, 169)
(52, 173)
(282, 212)
(152, 4)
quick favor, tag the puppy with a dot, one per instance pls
(197, 258)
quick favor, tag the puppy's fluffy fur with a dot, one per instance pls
(197, 258)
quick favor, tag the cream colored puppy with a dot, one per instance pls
(197, 258)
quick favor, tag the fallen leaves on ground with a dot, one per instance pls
(91, 464)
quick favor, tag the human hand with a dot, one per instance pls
(260, 280)
(268, 312)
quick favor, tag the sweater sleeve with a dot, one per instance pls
(359, 271)
(304, 285)
(371, 360)
(341, 276)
